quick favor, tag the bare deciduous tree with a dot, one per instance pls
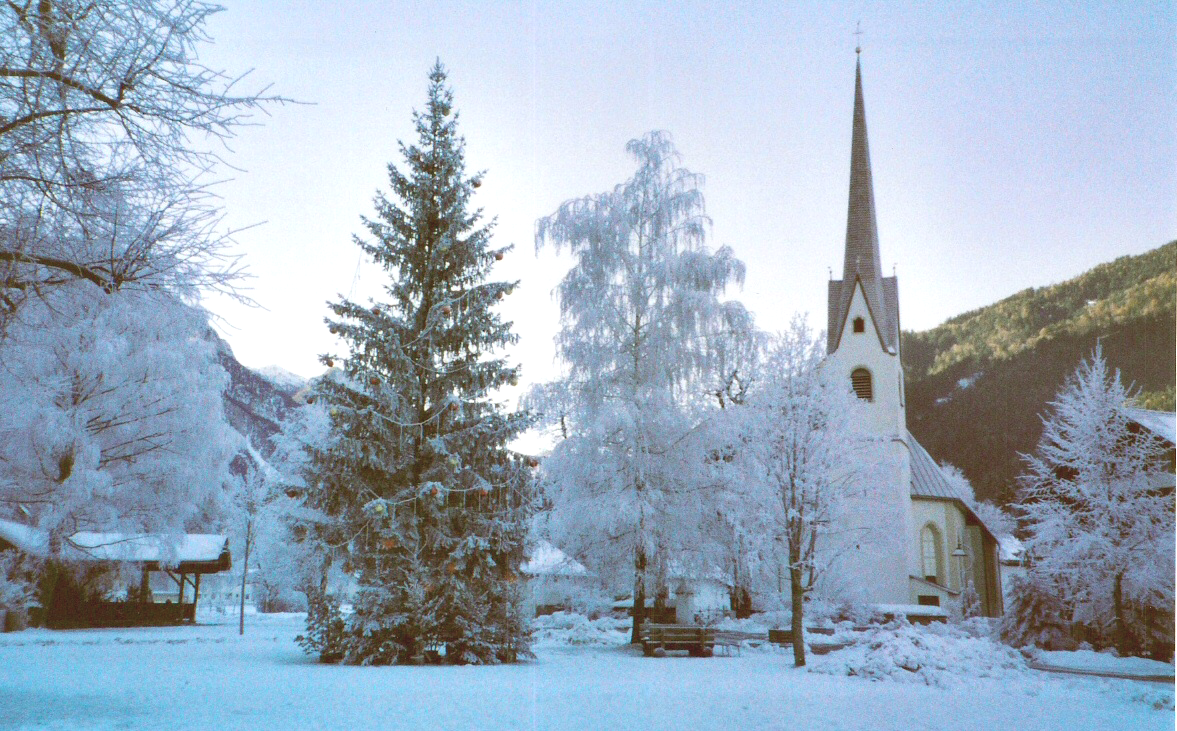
(109, 126)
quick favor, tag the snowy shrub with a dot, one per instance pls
(324, 628)
(568, 628)
(14, 586)
(986, 627)
(1035, 616)
(939, 655)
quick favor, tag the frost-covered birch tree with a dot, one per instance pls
(637, 309)
(1098, 508)
(802, 460)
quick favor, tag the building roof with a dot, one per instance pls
(862, 260)
(544, 559)
(928, 481)
(1161, 423)
(191, 552)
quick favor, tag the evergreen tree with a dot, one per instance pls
(414, 489)
(1098, 507)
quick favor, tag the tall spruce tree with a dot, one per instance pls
(414, 494)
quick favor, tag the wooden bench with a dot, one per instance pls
(731, 640)
(657, 639)
(817, 647)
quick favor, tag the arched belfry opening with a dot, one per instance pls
(859, 325)
(863, 384)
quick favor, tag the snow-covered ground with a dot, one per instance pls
(206, 677)
(1102, 662)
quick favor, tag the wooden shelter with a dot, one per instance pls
(74, 602)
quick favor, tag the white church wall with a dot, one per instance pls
(864, 549)
(949, 524)
(868, 554)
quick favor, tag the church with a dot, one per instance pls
(935, 550)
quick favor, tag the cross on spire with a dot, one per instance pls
(858, 38)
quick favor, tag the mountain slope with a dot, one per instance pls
(977, 384)
(254, 405)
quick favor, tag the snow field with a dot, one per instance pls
(206, 677)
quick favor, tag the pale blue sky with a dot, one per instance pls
(1012, 145)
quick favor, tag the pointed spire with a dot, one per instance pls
(862, 237)
(862, 262)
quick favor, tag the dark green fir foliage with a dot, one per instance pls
(418, 500)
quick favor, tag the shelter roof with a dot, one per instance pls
(191, 552)
(544, 559)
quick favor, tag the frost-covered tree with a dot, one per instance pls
(111, 416)
(801, 461)
(108, 125)
(1098, 510)
(414, 487)
(638, 310)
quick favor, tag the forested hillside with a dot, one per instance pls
(977, 384)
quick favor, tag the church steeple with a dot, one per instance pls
(862, 236)
(862, 262)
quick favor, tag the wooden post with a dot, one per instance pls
(244, 574)
(195, 597)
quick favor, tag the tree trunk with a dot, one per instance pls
(798, 593)
(639, 595)
(244, 576)
(1122, 639)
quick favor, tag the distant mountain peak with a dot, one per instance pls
(282, 379)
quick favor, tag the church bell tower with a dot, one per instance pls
(872, 543)
(863, 328)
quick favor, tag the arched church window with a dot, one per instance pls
(859, 325)
(930, 553)
(860, 380)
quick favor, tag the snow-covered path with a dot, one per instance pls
(208, 678)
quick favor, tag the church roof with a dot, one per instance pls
(862, 260)
(928, 481)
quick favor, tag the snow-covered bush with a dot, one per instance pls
(938, 654)
(569, 628)
(1034, 616)
(14, 586)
